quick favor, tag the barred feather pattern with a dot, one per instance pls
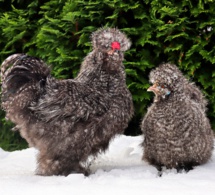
(177, 132)
(69, 120)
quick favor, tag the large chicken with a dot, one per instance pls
(69, 120)
(177, 133)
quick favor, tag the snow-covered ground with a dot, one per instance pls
(119, 171)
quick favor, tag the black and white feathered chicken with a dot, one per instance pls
(177, 133)
(69, 120)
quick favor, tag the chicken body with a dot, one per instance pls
(68, 120)
(177, 133)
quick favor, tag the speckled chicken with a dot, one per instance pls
(177, 133)
(69, 120)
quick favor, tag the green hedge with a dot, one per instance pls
(182, 32)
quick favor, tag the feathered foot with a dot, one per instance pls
(184, 167)
(61, 166)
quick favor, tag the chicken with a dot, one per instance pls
(70, 120)
(177, 133)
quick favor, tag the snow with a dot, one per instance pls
(119, 171)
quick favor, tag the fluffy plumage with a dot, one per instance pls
(177, 133)
(69, 120)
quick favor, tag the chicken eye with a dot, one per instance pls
(163, 86)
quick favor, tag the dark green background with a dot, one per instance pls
(58, 31)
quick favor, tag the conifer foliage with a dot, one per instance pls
(180, 32)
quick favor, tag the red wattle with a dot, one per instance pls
(115, 45)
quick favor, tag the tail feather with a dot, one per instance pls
(19, 69)
(7, 63)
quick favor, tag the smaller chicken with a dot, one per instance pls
(177, 133)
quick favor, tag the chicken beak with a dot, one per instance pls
(113, 51)
(153, 88)
(110, 52)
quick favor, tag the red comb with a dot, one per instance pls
(115, 45)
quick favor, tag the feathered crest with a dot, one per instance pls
(105, 36)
